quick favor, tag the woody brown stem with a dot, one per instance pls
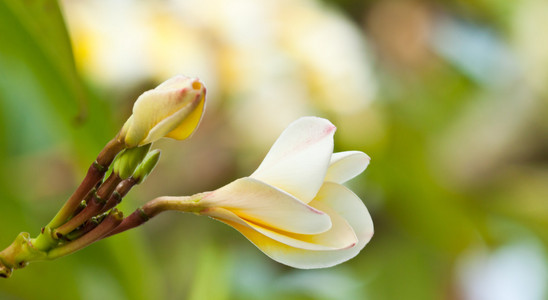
(155, 207)
(137, 218)
(94, 206)
(121, 191)
(46, 240)
(95, 173)
(109, 223)
(97, 208)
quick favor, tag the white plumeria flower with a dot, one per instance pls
(173, 109)
(293, 207)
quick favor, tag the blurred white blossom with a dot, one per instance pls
(516, 271)
(274, 60)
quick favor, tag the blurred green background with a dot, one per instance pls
(449, 98)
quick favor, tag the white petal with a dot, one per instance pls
(340, 236)
(262, 204)
(187, 127)
(351, 208)
(338, 198)
(298, 160)
(177, 82)
(346, 165)
(169, 109)
(151, 108)
(178, 120)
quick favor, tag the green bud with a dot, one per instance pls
(146, 166)
(128, 160)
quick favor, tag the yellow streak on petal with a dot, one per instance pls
(263, 204)
(189, 124)
(340, 236)
(287, 255)
(264, 243)
(331, 198)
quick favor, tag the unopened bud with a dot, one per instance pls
(128, 160)
(146, 166)
(173, 109)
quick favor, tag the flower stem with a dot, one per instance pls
(46, 240)
(95, 173)
(119, 193)
(156, 206)
(98, 207)
(109, 223)
(94, 206)
(19, 254)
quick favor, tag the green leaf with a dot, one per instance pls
(41, 95)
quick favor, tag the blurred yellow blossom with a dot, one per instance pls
(531, 42)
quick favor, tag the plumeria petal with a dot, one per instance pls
(351, 208)
(150, 109)
(177, 81)
(265, 205)
(172, 109)
(190, 123)
(287, 255)
(338, 201)
(181, 124)
(340, 236)
(298, 160)
(346, 165)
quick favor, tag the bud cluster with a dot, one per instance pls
(173, 109)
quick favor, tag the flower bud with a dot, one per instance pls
(173, 109)
(127, 161)
(146, 166)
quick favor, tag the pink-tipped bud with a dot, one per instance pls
(173, 109)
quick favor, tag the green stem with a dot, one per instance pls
(19, 254)
(165, 203)
(5, 272)
(23, 249)
(44, 240)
